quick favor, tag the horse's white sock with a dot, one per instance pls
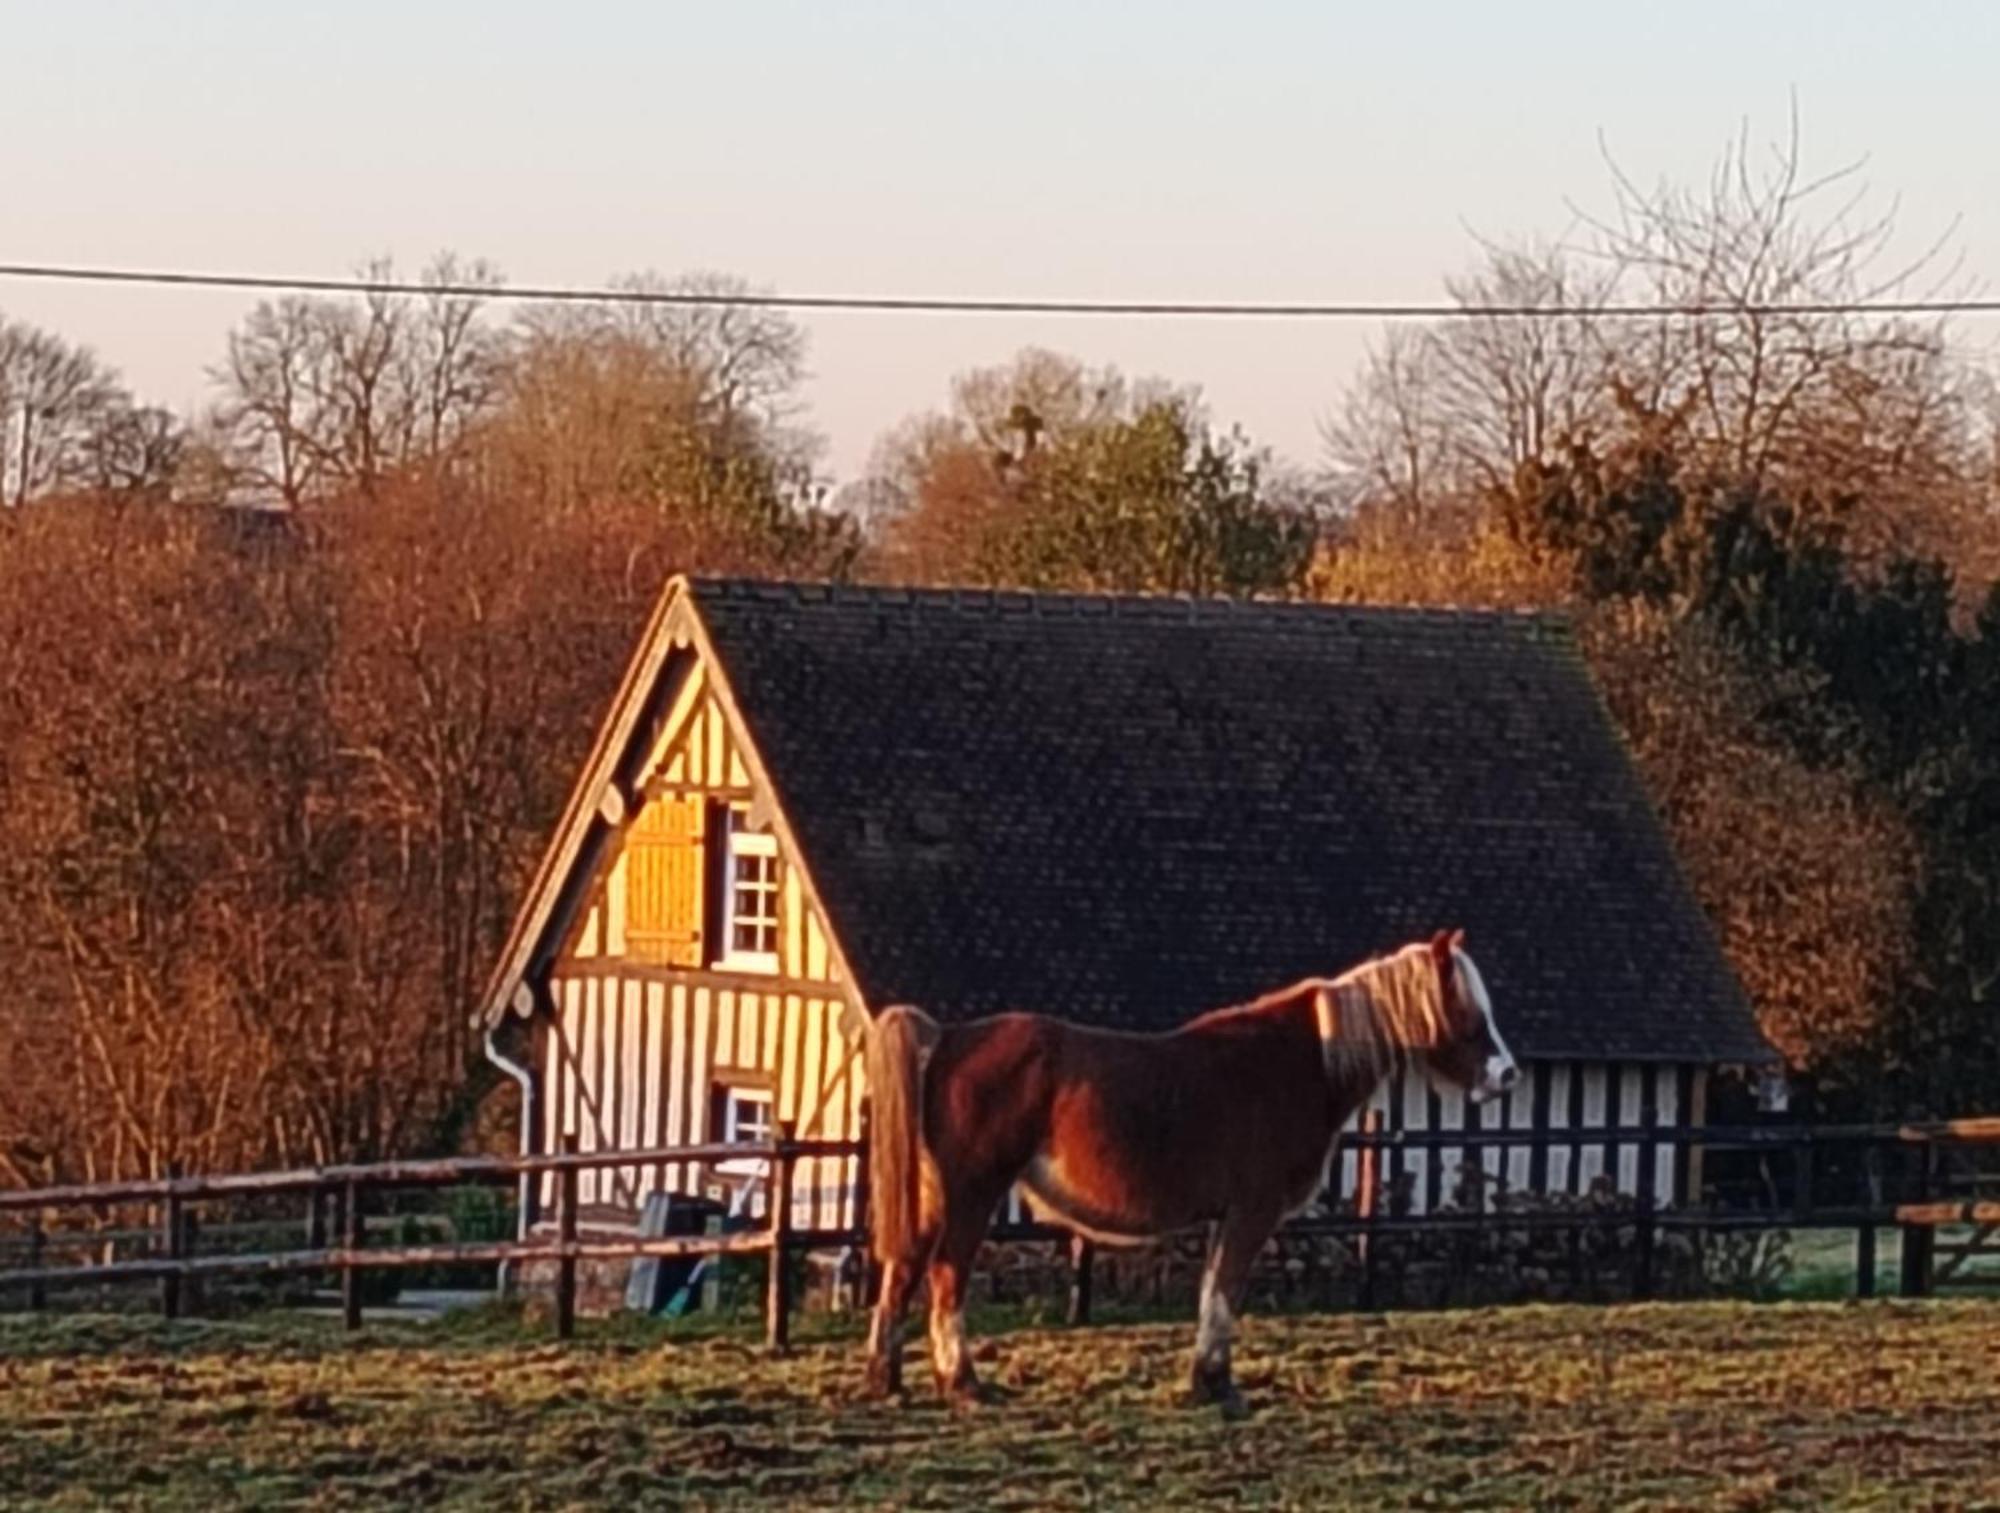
(883, 1336)
(948, 1343)
(1211, 1338)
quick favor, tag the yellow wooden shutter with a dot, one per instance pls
(664, 880)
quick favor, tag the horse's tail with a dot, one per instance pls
(899, 1045)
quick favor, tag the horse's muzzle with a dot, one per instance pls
(1497, 1080)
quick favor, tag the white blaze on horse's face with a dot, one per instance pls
(1497, 1069)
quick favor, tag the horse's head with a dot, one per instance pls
(1469, 1052)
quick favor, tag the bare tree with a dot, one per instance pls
(367, 377)
(458, 356)
(133, 450)
(747, 361)
(64, 417)
(1520, 389)
(719, 374)
(1441, 415)
(1757, 376)
(1389, 447)
(684, 410)
(322, 395)
(1771, 377)
(582, 413)
(574, 402)
(276, 414)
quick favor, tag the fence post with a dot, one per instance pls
(566, 1200)
(352, 1237)
(38, 1291)
(1082, 1266)
(777, 1289)
(194, 1298)
(1934, 1187)
(170, 1246)
(1368, 1203)
(1918, 1238)
(1802, 1179)
(1645, 1229)
(870, 1273)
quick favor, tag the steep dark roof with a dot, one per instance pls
(1129, 810)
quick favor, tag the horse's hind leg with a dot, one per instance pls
(965, 1227)
(885, 1328)
(1231, 1254)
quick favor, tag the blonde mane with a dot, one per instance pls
(1373, 1017)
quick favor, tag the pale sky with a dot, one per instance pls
(1252, 151)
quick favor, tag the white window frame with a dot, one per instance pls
(744, 1178)
(739, 841)
(736, 1099)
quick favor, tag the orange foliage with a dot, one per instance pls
(269, 791)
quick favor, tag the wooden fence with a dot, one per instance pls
(1910, 1163)
(336, 1198)
(175, 1261)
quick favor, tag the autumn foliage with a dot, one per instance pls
(268, 791)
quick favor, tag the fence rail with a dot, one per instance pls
(337, 1241)
(443, 1171)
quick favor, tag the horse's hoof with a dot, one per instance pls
(881, 1383)
(1206, 1391)
(964, 1396)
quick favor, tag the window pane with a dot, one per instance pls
(752, 924)
(749, 1116)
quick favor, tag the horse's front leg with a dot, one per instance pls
(1224, 1280)
(885, 1328)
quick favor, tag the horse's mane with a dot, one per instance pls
(1383, 1010)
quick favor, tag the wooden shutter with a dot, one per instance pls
(665, 872)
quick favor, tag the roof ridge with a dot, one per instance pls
(975, 598)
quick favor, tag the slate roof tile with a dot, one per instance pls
(1129, 810)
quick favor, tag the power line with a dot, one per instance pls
(943, 305)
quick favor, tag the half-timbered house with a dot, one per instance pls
(808, 802)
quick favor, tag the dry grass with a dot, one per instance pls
(1690, 1405)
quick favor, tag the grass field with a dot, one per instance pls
(1687, 1405)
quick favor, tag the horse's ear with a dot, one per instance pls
(1457, 939)
(1441, 956)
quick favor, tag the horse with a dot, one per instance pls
(1231, 1120)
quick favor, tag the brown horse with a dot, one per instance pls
(1229, 1121)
